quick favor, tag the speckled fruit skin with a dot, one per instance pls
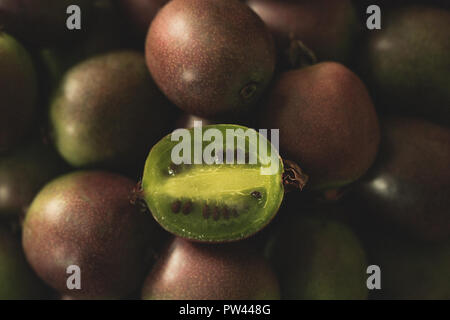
(140, 13)
(409, 186)
(41, 22)
(108, 112)
(18, 282)
(210, 57)
(18, 91)
(86, 219)
(189, 271)
(328, 27)
(327, 123)
(22, 173)
(317, 258)
(406, 63)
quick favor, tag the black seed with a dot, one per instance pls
(226, 213)
(176, 206)
(216, 214)
(173, 169)
(206, 211)
(187, 207)
(235, 213)
(256, 195)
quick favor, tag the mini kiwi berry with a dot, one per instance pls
(107, 112)
(18, 91)
(23, 172)
(18, 281)
(140, 13)
(318, 258)
(409, 185)
(42, 22)
(328, 27)
(221, 201)
(406, 63)
(87, 219)
(327, 123)
(210, 57)
(193, 271)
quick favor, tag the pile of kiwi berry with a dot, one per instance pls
(94, 206)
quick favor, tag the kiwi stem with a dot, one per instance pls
(299, 55)
(293, 176)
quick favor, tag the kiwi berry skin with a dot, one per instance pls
(210, 58)
(18, 94)
(23, 172)
(405, 63)
(192, 271)
(409, 185)
(18, 282)
(107, 112)
(318, 258)
(250, 200)
(42, 22)
(327, 123)
(86, 219)
(328, 27)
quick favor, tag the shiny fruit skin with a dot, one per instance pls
(409, 185)
(86, 219)
(210, 57)
(327, 123)
(189, 271)
(18, 91)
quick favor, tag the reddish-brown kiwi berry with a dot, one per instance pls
(189, 271)
(210, 57)
(86, 219)
(327, 123)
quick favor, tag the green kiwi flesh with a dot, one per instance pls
(211, 203)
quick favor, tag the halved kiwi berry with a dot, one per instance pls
(222, 201)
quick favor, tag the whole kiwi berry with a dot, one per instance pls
(18, 91)
(318, 258)
(327, 123)
(409, 185)
(23, 172)
(86, 219)
(328, 27)
(42, 22)
(188, 271)
(406, 63)
(210, 57)
(107, 112)
(18, 281)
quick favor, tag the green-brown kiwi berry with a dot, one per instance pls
(318, 258)
(409, 185)
(189, 271)
(18, 282)
(23, 173)
(87, 219)
(328, 27)
(327, 123)
(406, 63)
(107, 112)
(18, 91)
(210, 57)
(220, 201)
